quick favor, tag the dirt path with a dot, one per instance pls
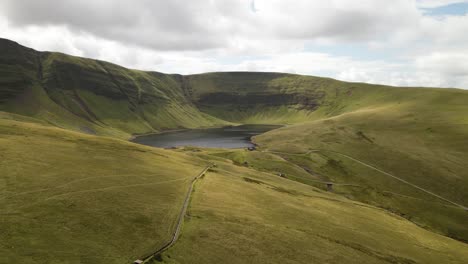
(381, 171)
(400, 179)
(180, 219)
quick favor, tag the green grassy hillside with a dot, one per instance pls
(66, 197)
(420, 137)
(241, 215)
(69, 195)
(419, 134)
(75, 198)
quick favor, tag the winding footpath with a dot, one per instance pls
(379, 170)
(180, 220)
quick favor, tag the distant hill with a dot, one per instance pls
(102, 98)
(93, 96)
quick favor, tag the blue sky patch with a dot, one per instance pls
(456, 9)
(355, 51)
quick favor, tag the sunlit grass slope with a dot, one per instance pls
(418, 135)
(70, 198)
(240, 215)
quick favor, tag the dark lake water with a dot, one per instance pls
(226, 137)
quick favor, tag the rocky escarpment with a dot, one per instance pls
(79, 93)
(19, 68)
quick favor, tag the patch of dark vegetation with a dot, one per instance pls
(71, 76)
(336, 165)
(363, 136)
(141, 220)
(191, 149)
(184, 82)
(253, 180)
(307, 169)
(190, 216)
(370, 252)
(158, 258)
(237, 163)
(18, 69)
(284, 190)
(455, 234)
(266, 99)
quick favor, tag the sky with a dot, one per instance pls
(397, 42)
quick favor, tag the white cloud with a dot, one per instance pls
(201, 24)
(449, 64)
(198, 36)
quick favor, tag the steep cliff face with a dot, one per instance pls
(258, 97)
(19, 68)
(99, 97)
(248, 89)
(93, 96)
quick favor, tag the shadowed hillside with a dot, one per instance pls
(97, 97)
(92, 96)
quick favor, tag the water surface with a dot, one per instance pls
(226, 137)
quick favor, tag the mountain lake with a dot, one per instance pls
(225, 137)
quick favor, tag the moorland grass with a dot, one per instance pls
(66, 197)
(238, 215)
(69, 197)
(422, 140)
